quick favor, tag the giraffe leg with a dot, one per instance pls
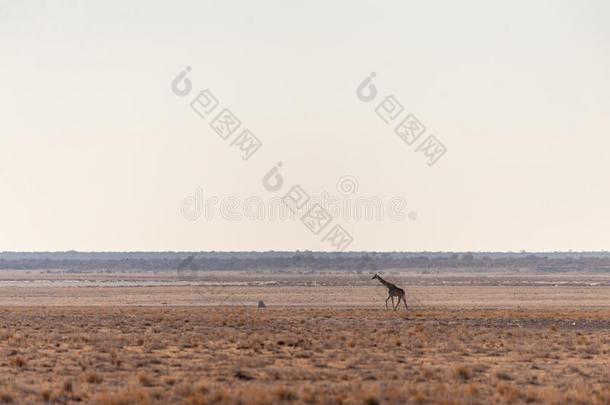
(386, 302)
(397, 303)
(405, 301)
(392, 300)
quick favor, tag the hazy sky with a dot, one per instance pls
(98, 153)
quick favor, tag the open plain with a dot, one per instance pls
(225, 355)
(324, 339)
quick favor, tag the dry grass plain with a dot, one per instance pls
(232, 355)
(162, 338)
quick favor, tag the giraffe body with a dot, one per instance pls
(393, 291)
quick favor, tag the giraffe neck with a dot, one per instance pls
(382, 281)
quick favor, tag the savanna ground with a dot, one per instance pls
(319, 344)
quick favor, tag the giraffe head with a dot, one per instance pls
(375, 276)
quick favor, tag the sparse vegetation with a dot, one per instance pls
(148, 356)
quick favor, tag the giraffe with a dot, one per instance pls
(393, 291)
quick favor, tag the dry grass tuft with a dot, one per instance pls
(18, 362)
(145, 379)
(93, 378)
(123, 397)
(7, 397)
(462, 373)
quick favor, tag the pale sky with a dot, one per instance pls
(98, 153)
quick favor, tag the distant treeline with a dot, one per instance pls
(305, 260)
